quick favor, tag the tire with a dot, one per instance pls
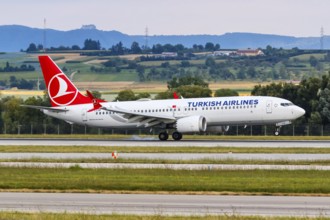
(163, 136)
(176, 136)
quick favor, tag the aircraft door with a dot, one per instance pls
(84, 115)
(269, 106)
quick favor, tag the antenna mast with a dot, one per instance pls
(322, 39)
(146, 38)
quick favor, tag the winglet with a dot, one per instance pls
(175, 95)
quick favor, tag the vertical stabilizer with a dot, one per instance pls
(61, 91)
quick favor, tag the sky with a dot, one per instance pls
(299, 18)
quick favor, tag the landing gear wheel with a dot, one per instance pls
(277, 131)
(163, 136)
(177, 136)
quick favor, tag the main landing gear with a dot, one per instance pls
(163, 136)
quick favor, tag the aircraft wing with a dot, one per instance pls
(143, 119)
(46, 108)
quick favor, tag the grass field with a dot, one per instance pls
(250, 182)
(107, 81)
(101, 83)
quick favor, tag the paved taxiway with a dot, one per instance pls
(139, 141)
(165, 204)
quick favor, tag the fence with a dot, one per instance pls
(255, 130)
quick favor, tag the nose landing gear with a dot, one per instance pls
(277, 131)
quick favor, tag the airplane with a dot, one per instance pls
(181, 116)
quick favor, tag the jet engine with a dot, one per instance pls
(190, 124)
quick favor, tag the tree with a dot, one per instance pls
(324, 105)
(32, 48)
(141, 70)
(210, 62)
(313, 61)
(187, 80)
(225, 92)
(193, 91)
(96, 94)
(143, 95)
(185, 63)
(157, 49)
(217, 47)
(90, 44)
(75, 47)
(209, 46)
(126, 95)
(135, 48)
(12, 113)
(118, 49)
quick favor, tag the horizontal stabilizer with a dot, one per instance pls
(54, 109)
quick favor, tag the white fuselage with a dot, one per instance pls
(218, 111)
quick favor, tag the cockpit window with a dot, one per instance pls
(286, 104)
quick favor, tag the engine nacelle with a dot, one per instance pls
(190, 124)
(217, 129)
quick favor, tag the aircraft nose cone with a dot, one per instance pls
(300, 111)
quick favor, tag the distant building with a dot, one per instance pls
(169, 54)
(166, 55)
(250, 52)
(224, 53)
(88, 27)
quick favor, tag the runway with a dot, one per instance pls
(146, 142)
(169, 156)
(165, 204)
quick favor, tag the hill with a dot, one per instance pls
(16, 37)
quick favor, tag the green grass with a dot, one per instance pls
(74, 216)
(262, 182)
(306, 57)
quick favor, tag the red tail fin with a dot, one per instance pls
(61, 91)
